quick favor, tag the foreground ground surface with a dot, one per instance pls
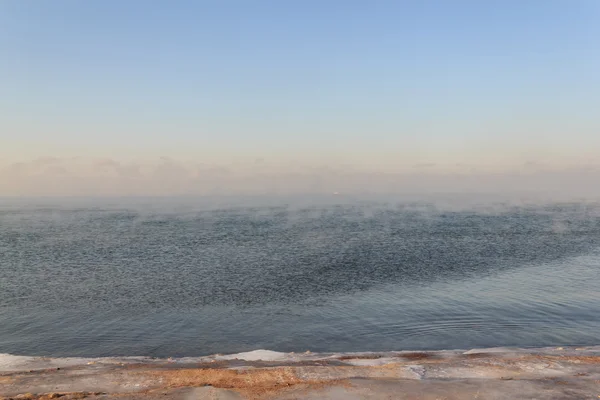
(549, 373)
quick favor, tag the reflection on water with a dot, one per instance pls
(125, 280)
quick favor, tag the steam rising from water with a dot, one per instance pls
(54, 176)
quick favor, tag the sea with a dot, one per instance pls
(176, 277)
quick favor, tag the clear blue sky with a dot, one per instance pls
(181, 76)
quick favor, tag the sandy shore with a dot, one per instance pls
(548, 373)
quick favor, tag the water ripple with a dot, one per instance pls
(94, 281)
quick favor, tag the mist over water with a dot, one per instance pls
(160, 277)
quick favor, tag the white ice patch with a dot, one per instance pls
(257, 355)
(9, 362)
(491, 350)
(362, 362)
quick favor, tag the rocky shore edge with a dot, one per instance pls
(494, 373)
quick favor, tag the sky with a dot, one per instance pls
(225, 96)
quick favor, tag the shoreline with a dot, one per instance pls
(518, 373)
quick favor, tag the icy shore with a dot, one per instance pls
(496, 373)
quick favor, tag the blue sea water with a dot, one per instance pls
(189, 277)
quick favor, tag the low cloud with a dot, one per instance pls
(425, 165)
(52, 176)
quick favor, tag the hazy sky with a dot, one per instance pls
(98, 95)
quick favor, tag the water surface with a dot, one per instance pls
(138, 277)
